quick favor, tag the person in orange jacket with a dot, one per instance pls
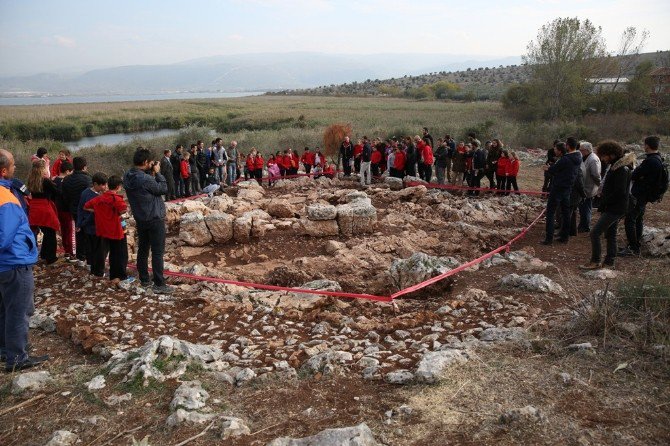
(110, 226)
(258, 164)
(503, 169)
(185, 172)
(514, 164)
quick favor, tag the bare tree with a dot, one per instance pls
(627, 57)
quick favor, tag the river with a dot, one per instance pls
(50, 100)
(117, 138)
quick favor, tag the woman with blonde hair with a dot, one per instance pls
(42, 212)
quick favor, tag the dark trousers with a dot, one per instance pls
(511, 183)
(346, 166)
(118, 257)
(558, 198)
(171, 189)
(81, 245)
(258, 174)
(96, 256)
(308, 168)
(16, 306)
(501, 182)
(607, 223)
(49, 245)
(547, 182)
(585, 212)
(634, 224)
(396, 173)
(490, 175)
(195, 181)
(282, 172)
(180, 187)
(357, 164)
(151, 235)
(426, 172)
(375, 170)
(410, 169)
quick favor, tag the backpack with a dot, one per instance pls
(661, 186)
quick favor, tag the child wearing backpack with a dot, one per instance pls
(110, 227)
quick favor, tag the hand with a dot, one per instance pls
(545, 167)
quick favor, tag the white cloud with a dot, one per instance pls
(236, 37)
(64, 41)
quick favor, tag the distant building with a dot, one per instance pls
(608, 84)
(660, 86)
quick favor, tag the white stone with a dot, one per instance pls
(319, 212)
(532, 282)
(96, 383)
(62, 438)
(232, 427)
(220, 225)
(193, 229)
(418, 268)
(360, 435)
(433, 364)
(190, 396)
(31, 381)
(399, 377)
(280, 209)
(183, 416)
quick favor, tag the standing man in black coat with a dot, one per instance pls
(564, 175)
(168, 173)
(613, 202)
(646, 180)
(346, 154)
(72, 187)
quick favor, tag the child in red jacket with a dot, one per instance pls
(514, 165)
(110, 227)
(185, 172)
(258, 167)
(502, 171)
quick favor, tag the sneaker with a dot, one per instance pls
(146, 284)
(3, 356)
(30, 361)
(128, 280)
(591, 266)
(163, 289)
(627, 252)
(82, 264)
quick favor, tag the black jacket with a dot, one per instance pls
(564, 171)
(346, 152)
(441, 157)
(479, 157)
(72, 187)
(411, 155)
(614, 197)
(144, 194)
(367, 153)
(492, 159)
(166, 167)
(578, 192)
(647, 176)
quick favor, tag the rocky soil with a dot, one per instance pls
(267, 367)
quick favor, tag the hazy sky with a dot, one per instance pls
(66, 35)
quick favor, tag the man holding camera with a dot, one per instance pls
(144, 187)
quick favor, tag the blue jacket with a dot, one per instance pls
(17, 242)
(144, 194)
(565, 171)
(86, 219)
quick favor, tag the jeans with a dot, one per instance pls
(16, 307)
(366, 177)
(180, 187)
(220, 173)
(232, 173)
(607, 223)
(585, 212)
(440, 173)
(151, 235)
(558, 198)
(634, 224)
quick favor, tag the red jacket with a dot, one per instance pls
(427, 154)
(308, 158)
(376, 157)
(107, 209)
(260, 162)
(514, 167)
(43, 212)
(399, 162)
(503, 167)
(285, 161)
(183, 169)
(251, 163)
(55, 169)
(295, 160)
(358, 150)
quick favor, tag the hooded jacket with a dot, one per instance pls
(564, 171)
(107, 209)
(646, 176)
(72, 187)
(614, 198)
(17, 242)
(144, 194)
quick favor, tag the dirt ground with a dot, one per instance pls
(595, 404)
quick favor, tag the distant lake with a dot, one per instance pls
(48, 100)
(117, 138)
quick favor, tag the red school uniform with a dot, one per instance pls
(259, 163)
(503, 167)
(358, 150)
(427, 154)
(514, 167)
(184, 169)
(251, 163)
(399, 162)
(376, 157)
(286, 161)
(308, 158)
(107, 209)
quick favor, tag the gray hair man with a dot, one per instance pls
(591, 171)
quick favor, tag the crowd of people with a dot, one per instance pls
(88, 210)
(609, 179)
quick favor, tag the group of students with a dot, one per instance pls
(579, 179)
(458, 164)
(86, 210)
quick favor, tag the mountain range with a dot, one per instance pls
(243, 72)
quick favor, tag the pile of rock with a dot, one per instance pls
(656, 242)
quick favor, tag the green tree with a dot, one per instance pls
(444, 89)
(640, 87)
(564, 57)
